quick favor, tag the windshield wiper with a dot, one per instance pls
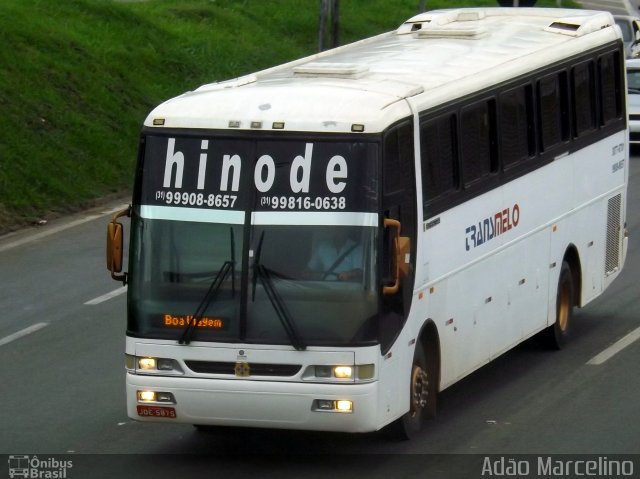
(279, 306)
(206, 300)
(214, 287)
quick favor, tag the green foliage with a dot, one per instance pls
(78, 77)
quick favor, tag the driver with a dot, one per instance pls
(337, 257)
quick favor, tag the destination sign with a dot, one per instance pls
(206, 322)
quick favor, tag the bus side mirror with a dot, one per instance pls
(399, 256)
(115, 242)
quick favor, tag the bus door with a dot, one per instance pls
(398, 205)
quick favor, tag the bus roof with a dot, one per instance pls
(430, 59)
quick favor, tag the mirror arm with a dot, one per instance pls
(120, 277)
(125, 212)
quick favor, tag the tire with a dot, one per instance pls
(422, 397)
(204, 429)
(557, 335)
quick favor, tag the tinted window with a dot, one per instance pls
(398, 160)
(609, 87)
(439, 158)
(583, 98)
(476, 143)
(516, 126)
(549, 105)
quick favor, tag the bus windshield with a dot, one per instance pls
(215, 260)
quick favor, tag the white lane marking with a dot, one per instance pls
(615, 348)
(107, 297)
(31, 329)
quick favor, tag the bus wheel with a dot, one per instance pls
(557, 335)
(422, 397)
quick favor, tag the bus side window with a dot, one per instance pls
(552, 107)
(610, 85)
(478, 141)
(583, 96)
(440, 175)
(516, 126)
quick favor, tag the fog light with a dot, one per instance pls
(165, 397)
(147, 363)
(146, 396)
(344, 406)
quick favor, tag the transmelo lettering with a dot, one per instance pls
(491, 227)
(264, 173)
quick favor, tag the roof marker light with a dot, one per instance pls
(357, 128)
(278, 125)
(234, 124)
(158, 121)
(256, 124)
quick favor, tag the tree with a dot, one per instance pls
(329, 21)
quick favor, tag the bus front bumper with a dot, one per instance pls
(246, 403)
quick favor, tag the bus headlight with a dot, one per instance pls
(355, 373)
(150, 365)
(147, 363)
(342, 372)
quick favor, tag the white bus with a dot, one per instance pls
(329, 243)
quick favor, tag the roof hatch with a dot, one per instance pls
(469, 32)
(334, 70)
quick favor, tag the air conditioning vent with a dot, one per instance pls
(572, 27)
(612, 254)
(580, 25)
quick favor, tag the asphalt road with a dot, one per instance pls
(62, 384)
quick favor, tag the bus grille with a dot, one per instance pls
(612, 254)
(256, 369)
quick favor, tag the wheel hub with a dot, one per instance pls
(564, 308)
(419, 389)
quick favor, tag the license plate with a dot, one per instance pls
(156, 411)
